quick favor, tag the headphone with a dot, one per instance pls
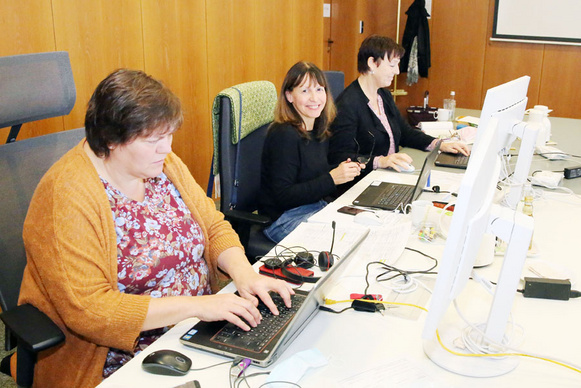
(303, 259)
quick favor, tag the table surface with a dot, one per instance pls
(387, 350)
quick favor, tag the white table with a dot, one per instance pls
(356, 342)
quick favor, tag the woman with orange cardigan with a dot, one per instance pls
(122, 242)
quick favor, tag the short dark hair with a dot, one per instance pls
(285, 112)
(376, 46)
(128, 104)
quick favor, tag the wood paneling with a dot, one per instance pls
(100, 36)
(174, 46)
(274, 40)
(458, 50)
(560, 87)
(231, 44)
(26, 27)
(307, 32)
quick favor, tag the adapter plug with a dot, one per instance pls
(572, 172)
(369, 307)
(546, 288)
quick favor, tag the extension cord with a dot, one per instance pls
(546, 179)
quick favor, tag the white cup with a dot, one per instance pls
(444, 114)
(420, 210)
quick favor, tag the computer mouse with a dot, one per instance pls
(408, 168)
(368, 218)
(166, 362)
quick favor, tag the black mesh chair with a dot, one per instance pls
(22, 165)
(243, 112)
(34, 87)
(336, 81)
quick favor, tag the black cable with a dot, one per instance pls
(575, 294)
(330, 310)
(211, 366)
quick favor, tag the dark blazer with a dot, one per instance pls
(355, 119)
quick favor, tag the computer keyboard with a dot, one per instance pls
(396, 195)
(258, 337)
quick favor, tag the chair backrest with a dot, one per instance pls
(336, 81)
(35, 87)
(22, 164)
(239, 164)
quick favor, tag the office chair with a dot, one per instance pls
(336, 80)
(241, 115)
(34, 87)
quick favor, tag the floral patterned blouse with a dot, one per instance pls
(159, 252)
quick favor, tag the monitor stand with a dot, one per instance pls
(466, 365)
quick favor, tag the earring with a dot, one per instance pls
(372, 72)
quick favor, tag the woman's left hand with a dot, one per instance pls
(454, 147)
(251, 284)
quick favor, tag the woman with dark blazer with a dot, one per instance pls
(368, 126)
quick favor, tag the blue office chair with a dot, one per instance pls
(336, 81)
(241, 115)
(32, 87)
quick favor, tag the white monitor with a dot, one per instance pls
(474, 215)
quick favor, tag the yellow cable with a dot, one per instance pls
(331, 301)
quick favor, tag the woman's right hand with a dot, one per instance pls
(346, 171)
(396, 161)
(227, 307)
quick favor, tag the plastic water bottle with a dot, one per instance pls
(450, 104)
(546, 122)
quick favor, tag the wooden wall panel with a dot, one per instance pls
(458, 50)
(174, 45)
(274, 40)
(560, 87)
(100, 37)
(307, 32)
(231, 43)
(26, 27)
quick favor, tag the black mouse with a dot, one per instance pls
(167, 362)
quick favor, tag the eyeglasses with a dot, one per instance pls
(365, 159)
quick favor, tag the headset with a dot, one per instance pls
(303, 259)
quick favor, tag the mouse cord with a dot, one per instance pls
(211, 366)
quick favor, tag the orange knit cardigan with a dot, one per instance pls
(71, 272)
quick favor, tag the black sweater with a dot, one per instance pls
(355, 118)
(294, 172)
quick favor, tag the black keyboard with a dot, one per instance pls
(395, 195)
(461, 160)
(258, 337)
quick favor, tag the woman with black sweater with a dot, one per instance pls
(296, 176)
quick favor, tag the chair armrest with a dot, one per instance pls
(32, 328)
(251, 218)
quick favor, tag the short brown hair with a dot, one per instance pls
(285, 112)
(377, 46)
(128, 104)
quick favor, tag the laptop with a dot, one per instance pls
(390, 196)
(228, 340)
(445, 159)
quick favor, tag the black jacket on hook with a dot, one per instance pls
(417, 25)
